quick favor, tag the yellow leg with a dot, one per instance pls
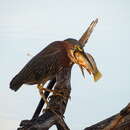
(53, 91)
(40, 88)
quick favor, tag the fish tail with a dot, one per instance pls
(97, 76)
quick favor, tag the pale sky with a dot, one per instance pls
(27, 26)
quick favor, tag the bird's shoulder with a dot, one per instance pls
(51, 50)
(46, 56)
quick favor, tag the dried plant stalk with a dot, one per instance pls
(84, 39)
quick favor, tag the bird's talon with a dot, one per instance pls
(40, 87)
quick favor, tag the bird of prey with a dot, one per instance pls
(50, 61)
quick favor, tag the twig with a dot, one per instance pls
(84, 38)
(120, 121)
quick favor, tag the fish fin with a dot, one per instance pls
(81, 68)
(89, 71)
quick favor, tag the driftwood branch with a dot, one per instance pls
(84, 38)
(120, 121)
(54, 114)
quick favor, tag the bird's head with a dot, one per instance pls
(85, 61)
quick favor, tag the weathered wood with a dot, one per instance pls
(84, 38)
(120, 121)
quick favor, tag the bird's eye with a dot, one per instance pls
(78, 48)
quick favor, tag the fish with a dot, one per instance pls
(86, 61)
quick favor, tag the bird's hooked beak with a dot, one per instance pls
(85, 60)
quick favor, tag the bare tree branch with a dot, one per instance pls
(84, 38)
(120, 121)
